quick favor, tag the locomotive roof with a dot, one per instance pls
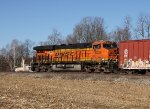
(140, 40)
(63, 46)
(46, 47)
(74, 46)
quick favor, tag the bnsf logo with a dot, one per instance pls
(64, 54)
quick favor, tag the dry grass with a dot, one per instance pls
(41, 91)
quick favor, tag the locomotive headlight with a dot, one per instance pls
(103, 60)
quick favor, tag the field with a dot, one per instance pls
(72, 91)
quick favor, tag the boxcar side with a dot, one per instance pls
(134, 54)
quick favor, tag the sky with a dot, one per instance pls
(35, 19)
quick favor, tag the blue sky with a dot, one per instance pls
(34, 19)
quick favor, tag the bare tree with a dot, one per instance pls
(71, 39)
(28, 45)
(90, 29)
(28, 50)
(3, 64)
(147, 27)
(117, 35)
(42, 43)
(143, 27)
(124, 32)
(55, 38)
(4, 58)
(7, 56)
(127, 28)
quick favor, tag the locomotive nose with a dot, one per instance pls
(113, 54)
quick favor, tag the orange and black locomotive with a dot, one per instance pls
(89, 57)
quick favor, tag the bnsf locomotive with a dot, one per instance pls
(100, 56)
(89, 57)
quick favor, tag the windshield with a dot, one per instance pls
(110, 46)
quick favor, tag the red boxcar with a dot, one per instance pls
(134, 54)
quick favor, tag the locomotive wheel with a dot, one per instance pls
(45, 70)
(106, 70)
(88, 70)
(101, 70)
(92, 70)
(50, 70)
(129, 72)
(37, 69)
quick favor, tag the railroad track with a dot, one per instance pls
(77, 75)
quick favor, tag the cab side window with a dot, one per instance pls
(97, 46)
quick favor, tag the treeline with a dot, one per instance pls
(11, 55)
(89, 29)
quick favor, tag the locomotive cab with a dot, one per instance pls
(104, 51)
(106, 54)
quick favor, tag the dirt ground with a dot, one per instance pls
(73, 91)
